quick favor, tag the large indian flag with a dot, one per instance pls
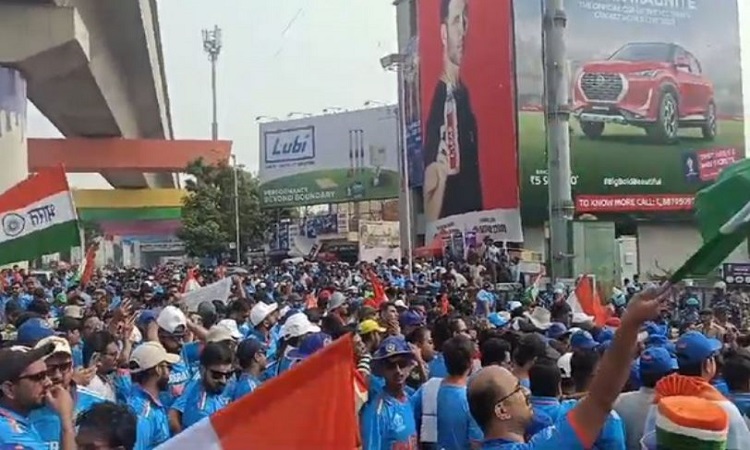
(37, 217)
(722, 211)
(313, 405)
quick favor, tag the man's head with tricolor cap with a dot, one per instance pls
(688, 422)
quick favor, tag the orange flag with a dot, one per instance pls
(445, 305)
(311, 406)
(90, 264)
(586, 299)
(378, 297)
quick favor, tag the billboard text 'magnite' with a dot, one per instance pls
(656, 96)
(332, 158)
(469, 154)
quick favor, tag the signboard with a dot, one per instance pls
(469, 147)
(656, 96)
(311, 227)
(350, 156)
(736, 274)
(379, 240)
(165, 246)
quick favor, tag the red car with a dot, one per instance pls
(656, 86)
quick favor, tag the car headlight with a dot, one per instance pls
(646, 73)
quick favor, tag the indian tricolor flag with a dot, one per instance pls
(722, 211)
(37, 217)
(311, 406)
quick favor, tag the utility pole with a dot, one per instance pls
(401, 64)
(235, 170)
(212, 47)
(557, 111)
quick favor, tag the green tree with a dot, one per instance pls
(208, 212)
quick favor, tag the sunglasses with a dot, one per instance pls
(35, 377)
(217, 374)
(64, 367)
(519, 388)
(397, 363)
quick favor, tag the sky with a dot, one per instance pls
(279, 57)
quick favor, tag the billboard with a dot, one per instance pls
(656, 96)
(310, 227)
(467, 93)
(349, 156)
(379, 239)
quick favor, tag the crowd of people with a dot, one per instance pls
(121, 362)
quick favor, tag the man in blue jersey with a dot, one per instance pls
(502, 406)
(24, 387)
(172, 325)
(387, 420)
(149, 369)
(205, 395)
(60, 371)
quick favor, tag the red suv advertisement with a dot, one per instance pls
(659, 87)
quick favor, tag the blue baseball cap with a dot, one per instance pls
(582, 340)
(392, 346)
(309, 345)
(658, 340)
(693, 348)
(606, 334)
(33, 331)
(652, 328)
(411, 319)
(145, 317)
(557, 330)
(497, 320)
(657, 360)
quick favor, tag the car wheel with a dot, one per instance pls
(710, 127)
(668, 121)
(592, 130)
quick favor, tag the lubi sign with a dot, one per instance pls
(282, 146)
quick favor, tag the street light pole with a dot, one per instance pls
(398, 63)
(556, 83)
(212, 46)
(235, 169)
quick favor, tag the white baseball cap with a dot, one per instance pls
(149, 355)
(225, 330)
(61, 345)
(260, 311)
(400, 304)
(298, 325)
(170, 319)
(73, 311)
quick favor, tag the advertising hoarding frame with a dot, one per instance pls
(303, 161)
(469, 150)
(621, 171)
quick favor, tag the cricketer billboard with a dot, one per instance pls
(332, 158)
(467, 92)
(656, 98)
